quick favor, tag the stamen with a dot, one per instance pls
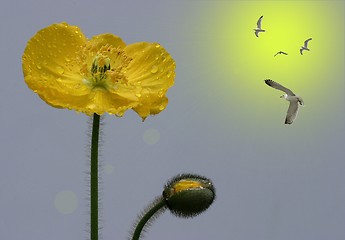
(104, 67)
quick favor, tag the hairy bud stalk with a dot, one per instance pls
(185, 195)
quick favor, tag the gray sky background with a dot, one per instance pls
(273, 181)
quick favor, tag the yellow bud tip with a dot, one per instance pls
(186, 185)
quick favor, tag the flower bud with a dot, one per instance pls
(188, 195)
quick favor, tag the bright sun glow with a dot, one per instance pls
(242, 61)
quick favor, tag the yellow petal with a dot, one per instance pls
(151, 105)
(51, 68)
(107, 39)
(154, 69)
(151, 66)
(102, 101)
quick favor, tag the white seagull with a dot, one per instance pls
(289, 96)
(305, 46)
(258, 28)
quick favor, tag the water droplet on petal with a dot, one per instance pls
(44, 77)
(161, 93)
(138, 95)
(120, 114)
(38, 66)
(60, 70)
(154, 69)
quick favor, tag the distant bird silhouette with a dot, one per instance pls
(289, 96)
(280, 52)
(305, 46)
(258, 29)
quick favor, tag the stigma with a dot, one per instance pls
(98, 72)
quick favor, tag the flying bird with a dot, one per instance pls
(280, 52)
(305, 46)
(289, 96)
(258, 28)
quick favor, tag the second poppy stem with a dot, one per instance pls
(94, 178)
(158, 205)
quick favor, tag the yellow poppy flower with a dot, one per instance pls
(97, 75)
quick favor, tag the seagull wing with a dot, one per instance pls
(292, 112)
(306, 42)
(301, 51)
(284, 53)
(276, 85)
(259, 22)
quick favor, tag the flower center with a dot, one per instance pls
(103, 67)
(99, 67)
